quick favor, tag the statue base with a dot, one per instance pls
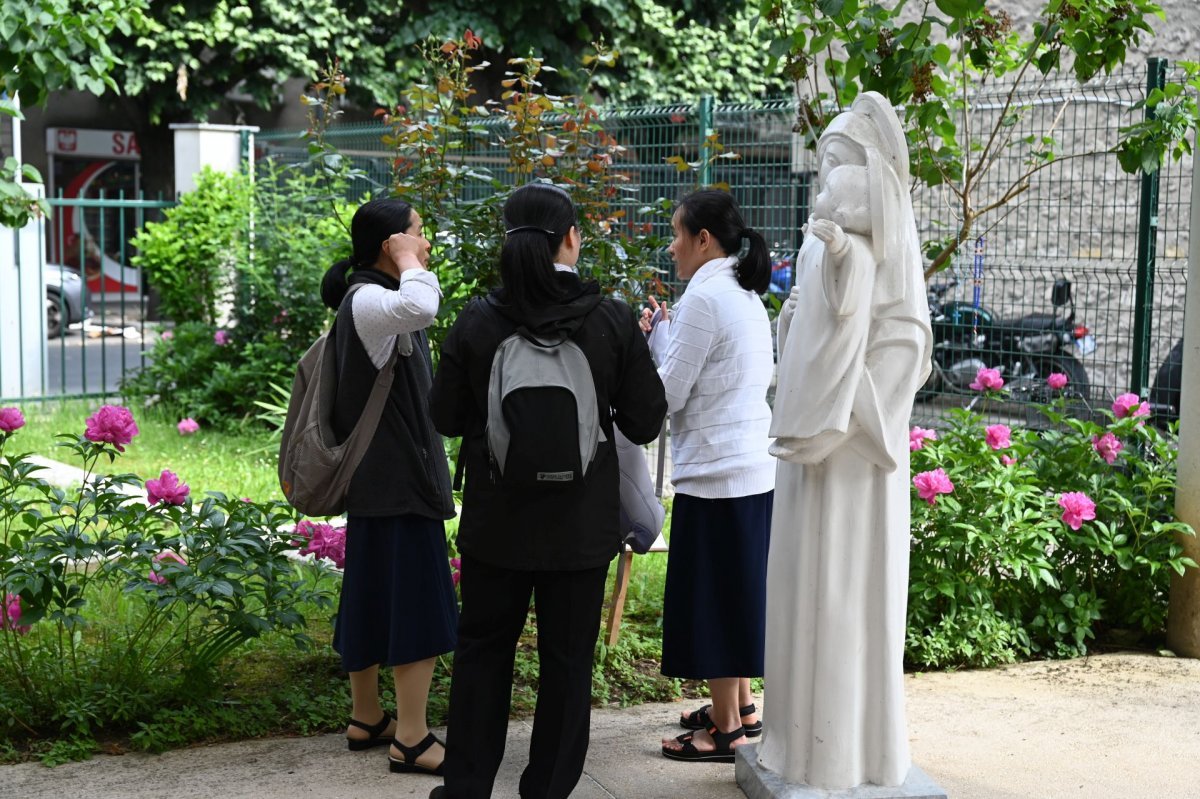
(760, 783)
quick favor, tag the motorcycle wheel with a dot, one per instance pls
(1164, 394)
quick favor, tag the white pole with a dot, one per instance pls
(1183, 618)
(16, 129)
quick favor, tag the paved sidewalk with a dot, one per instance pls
(1123, 725)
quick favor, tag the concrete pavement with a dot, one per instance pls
(1120, 725)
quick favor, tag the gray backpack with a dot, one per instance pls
(314, 469)
(543, 423)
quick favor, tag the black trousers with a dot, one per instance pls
(495, 602)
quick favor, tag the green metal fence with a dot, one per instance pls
(1120, 239)
(97, 325)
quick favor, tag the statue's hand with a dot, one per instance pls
(813, 449)
(830, 233)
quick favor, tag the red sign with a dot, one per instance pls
(66, 139)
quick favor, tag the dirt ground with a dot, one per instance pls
(1118, 725)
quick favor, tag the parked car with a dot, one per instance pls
(64, 299)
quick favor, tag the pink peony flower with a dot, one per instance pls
(930, 484)
(10, 615)
(455, 570)
(187, 426)
(112, 424)
(1107, 446)
(166, 335)
(167, 489)
(220, 338)
(988, 380)
(999, 436)
(1007, 461)
(166, 554)
(918, 436)
(322, 540)
(1056, 380)
(11, 419)
(1130, 405)
(1077, 509)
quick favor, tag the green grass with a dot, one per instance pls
(232, 462)
(269, 686)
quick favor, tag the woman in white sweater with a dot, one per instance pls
(715, 360)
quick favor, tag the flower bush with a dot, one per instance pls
(256, 305)
(121, 598)
(1031, 542)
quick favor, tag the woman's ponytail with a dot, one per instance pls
(754, 269)
(334, 284)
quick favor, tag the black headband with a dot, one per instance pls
(523, 228)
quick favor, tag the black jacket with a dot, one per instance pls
(559, 528)
(404, 470)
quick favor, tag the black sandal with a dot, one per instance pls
(411, 753)
(374, 732)
(701, 720)
(723, 753)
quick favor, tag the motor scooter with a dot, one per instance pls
(1164, 394)
(968, 337)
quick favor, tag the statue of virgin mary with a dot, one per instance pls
(854, 347)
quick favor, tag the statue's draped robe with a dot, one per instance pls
(853, 350)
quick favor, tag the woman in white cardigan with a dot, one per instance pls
(715, 359)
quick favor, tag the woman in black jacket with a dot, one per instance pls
(397, 605)
(552, 541)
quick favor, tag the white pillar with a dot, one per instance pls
(1183, 619)
(23, 306)
(199, 144)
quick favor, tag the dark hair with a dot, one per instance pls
(536, 218)
(373, 223)
(716, 212)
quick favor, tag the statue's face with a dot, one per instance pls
(837, 152)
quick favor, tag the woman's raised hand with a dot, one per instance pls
(405, 251)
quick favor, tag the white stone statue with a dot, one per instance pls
(854, 347)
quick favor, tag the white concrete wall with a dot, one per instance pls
(22, 308)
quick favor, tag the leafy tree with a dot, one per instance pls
(50, 45)
(926, 57)
(667, 48)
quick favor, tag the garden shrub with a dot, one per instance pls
(1034, 542)
(216, 373)
(121, 597)
(191, 256)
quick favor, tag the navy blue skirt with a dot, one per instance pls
(715, 602)
(398, 604)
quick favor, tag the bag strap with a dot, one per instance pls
(368, 420)
(662, 459)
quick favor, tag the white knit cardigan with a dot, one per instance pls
(716, 360)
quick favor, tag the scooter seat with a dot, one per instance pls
(1034, 322)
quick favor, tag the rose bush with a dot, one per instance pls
(1029, 543)
(122, 597)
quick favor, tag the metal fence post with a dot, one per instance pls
(1143, 309)
(706, 126)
